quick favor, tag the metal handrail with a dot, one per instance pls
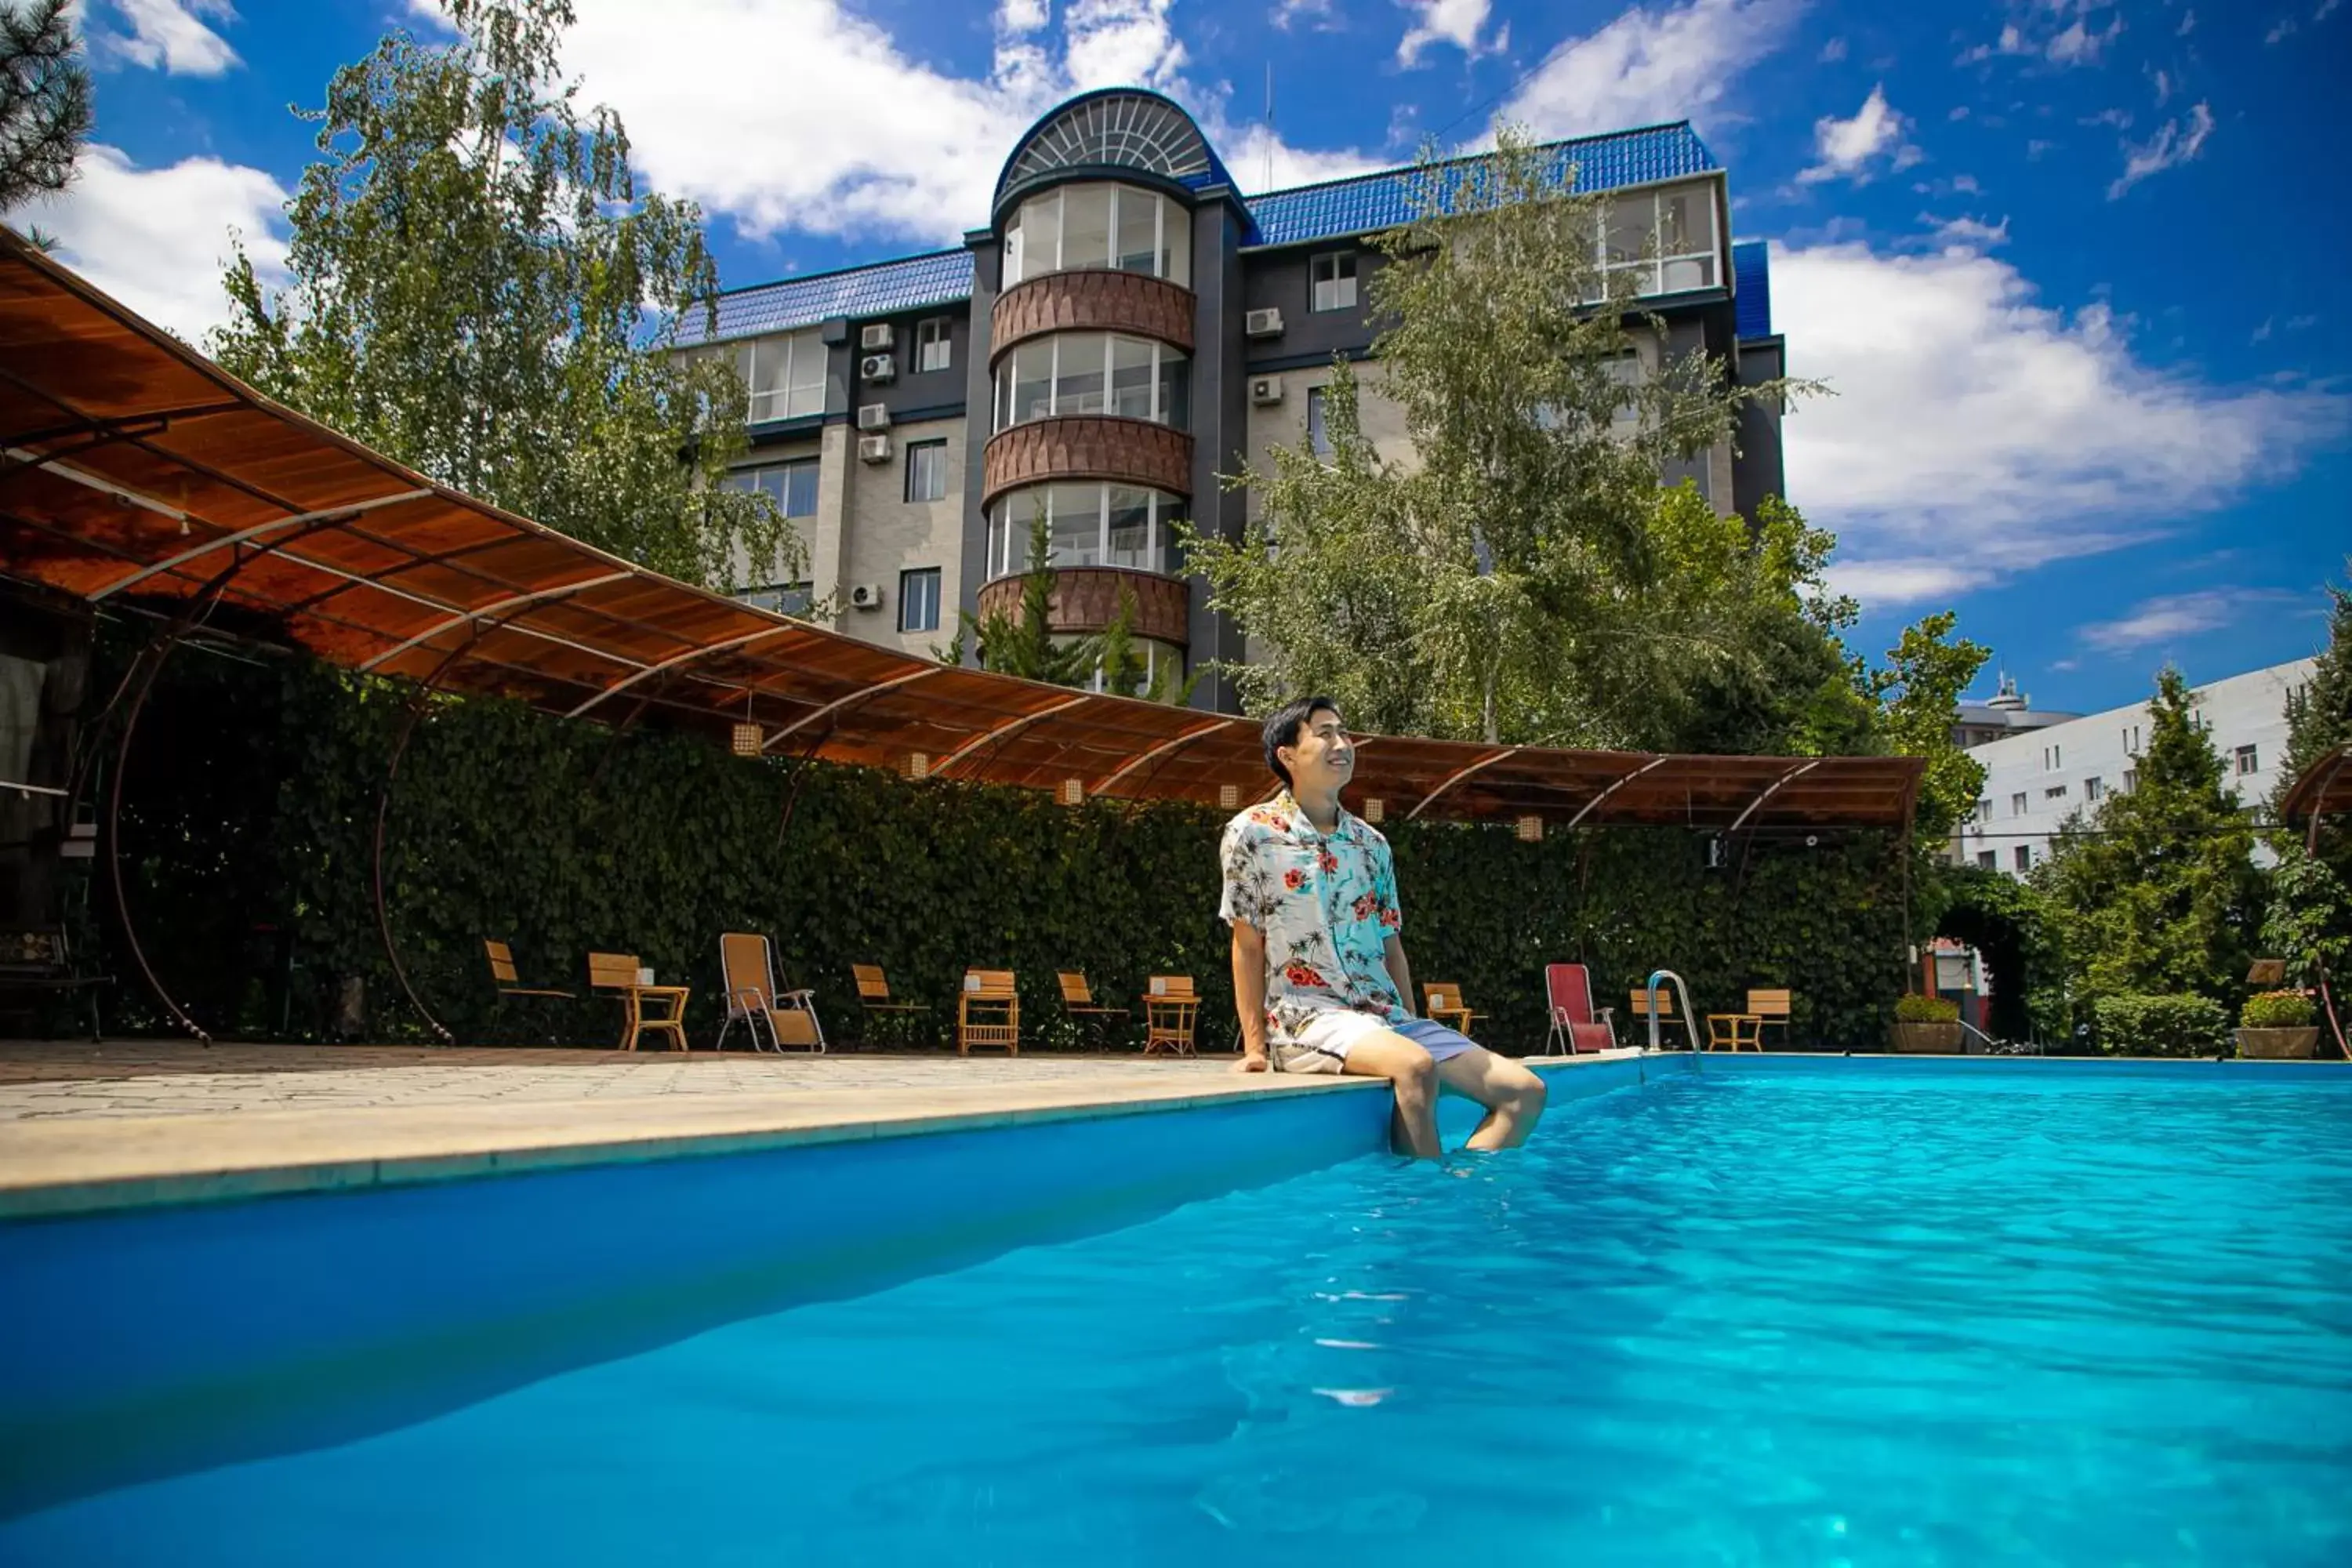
(1690, 1028)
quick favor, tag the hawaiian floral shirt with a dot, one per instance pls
(1327, 905)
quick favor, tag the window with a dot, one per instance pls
(2017, 804)
(1334, 282)
(934, 344)
(1985, 859)
(785, 374)
(2093, 787)
(1660, 242)
(2056, 792)
(1088, 524)
(784, 598)
(2131, 780)
(2249, 760)
(2053, 757)
(792, 486)
(1099, 225)
(927, 471)
(1984, 811)
(2131, 740)
(1318, 434)
(2022, 857)
(919, 600)
(1094, 372)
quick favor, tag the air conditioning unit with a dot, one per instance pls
(876, 336)
(878, 367)
(1265, 390)
(1266, 324)
(874, 449)
(874, 417)
(865, 596)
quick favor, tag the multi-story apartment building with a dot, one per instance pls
(2035, 780)
(1126, 328)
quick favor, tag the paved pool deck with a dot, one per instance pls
(138, 1123)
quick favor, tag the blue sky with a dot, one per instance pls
(2065, 263)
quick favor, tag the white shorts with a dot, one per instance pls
(1323, 1045)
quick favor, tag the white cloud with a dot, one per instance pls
(167, 34)
(2187, 24)
(2168, 618)
(2326, 9)
(158, 240)
(1847, 148)
(1970, 233)
(2262, 334)
(1293, 11)
(1674, 62)
(2170, 145)
(2281, 29)
(1975, 434)
(2037, 37)
(1965, 183)
(1455, 22)
(871, 142)
(2163, 81)
(1832, 51)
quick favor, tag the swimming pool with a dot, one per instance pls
(1789, 1310)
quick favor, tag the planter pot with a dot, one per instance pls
(1930, 1039)
(2279, 1043)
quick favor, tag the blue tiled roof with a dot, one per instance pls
(1751, 288)
(877, 291)
(1363, 204)
(1368, 203)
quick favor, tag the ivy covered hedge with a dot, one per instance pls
(250, 813)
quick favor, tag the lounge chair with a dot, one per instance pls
(1666, 1017)
(1171, 1009)
(639, 998)
(1442, 1000)
(1079, 1002)
(874, 996)
(1568, 987)
(747, 966)
(507, 981)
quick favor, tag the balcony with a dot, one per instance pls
(1092, 300)
(1087, 446)
(1085, 599)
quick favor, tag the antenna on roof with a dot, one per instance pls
(1269, 126)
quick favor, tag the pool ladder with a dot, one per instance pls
(1690, 1023)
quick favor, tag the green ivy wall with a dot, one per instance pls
(250, 811)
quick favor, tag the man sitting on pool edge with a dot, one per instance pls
(1320, 974)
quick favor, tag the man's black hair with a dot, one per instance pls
(1282, 727)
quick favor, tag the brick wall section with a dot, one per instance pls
(1087, 446)
(1085, 599)
(1092, 300)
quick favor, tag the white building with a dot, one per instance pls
(2034, 781)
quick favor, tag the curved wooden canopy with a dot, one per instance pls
(2323, 789)
(136, 469)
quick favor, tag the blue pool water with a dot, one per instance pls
(1834, 1315)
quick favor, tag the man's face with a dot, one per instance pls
(1324, 757)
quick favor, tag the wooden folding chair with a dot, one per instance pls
(1171, 1009)
(988, 1012)
(509, 985)
(874, 996)
(1079, 1002)
(747, 966)
(639, 997)
(1768, 1008)
(1666, 1016)
(1441, 1000)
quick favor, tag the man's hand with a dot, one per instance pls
(1252, 1062)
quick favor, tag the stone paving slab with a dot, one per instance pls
(87, 1128)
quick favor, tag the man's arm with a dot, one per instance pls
(1249, 992)
(1392, 954)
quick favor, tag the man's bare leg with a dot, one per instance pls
(1513, 1096)
(1413, 1076)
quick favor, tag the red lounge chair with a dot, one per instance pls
(1570, 992)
